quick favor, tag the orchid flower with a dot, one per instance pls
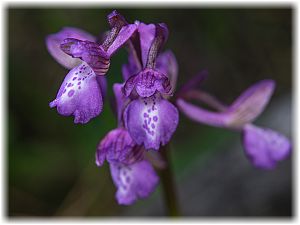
(82, 91)
(264, 147)
(150, 118)
(147, 118)
(132, 173)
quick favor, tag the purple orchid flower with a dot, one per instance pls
(264, 147)
(82, 91)
(146, 117)
(150, 119)
(132, 173)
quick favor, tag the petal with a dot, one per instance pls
(151, 121)
(251, 103)
(79, 95)
(147, 82)
(120, 99)
(125, 33)
(244, 110)
(103, 85)
(118, 147)
(265, 147)
(147, 35)
(205, 98)
(90, 52)
(167, 64)
(201, 115)
(133, 181)
(53, 44)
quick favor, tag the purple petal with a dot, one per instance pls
(265, 147)
(103, 85)
(147, 82)
(244, 110)
(118, 147)
(205, 98)
(251, 103)
(167, 64)
(125, 33)
(79, 95)
(133, 181)
(147, 35)
(90, 52)
(201, 115)
(151, 121)
(53, 44)
(120, 99)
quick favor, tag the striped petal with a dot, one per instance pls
(90, 52)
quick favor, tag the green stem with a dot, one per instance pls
(167, 180)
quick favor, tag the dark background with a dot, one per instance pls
(51, 169)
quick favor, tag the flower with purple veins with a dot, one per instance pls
(81, 93)
(264, 147)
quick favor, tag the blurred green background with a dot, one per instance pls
(51, 164)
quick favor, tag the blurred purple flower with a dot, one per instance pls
(264, 147)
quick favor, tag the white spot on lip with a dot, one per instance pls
(124, 174)
(148, 114)
(86, 74)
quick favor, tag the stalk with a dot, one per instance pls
(167, 179)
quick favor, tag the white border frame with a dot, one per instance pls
(136, 3)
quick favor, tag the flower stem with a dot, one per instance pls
(167, 180)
